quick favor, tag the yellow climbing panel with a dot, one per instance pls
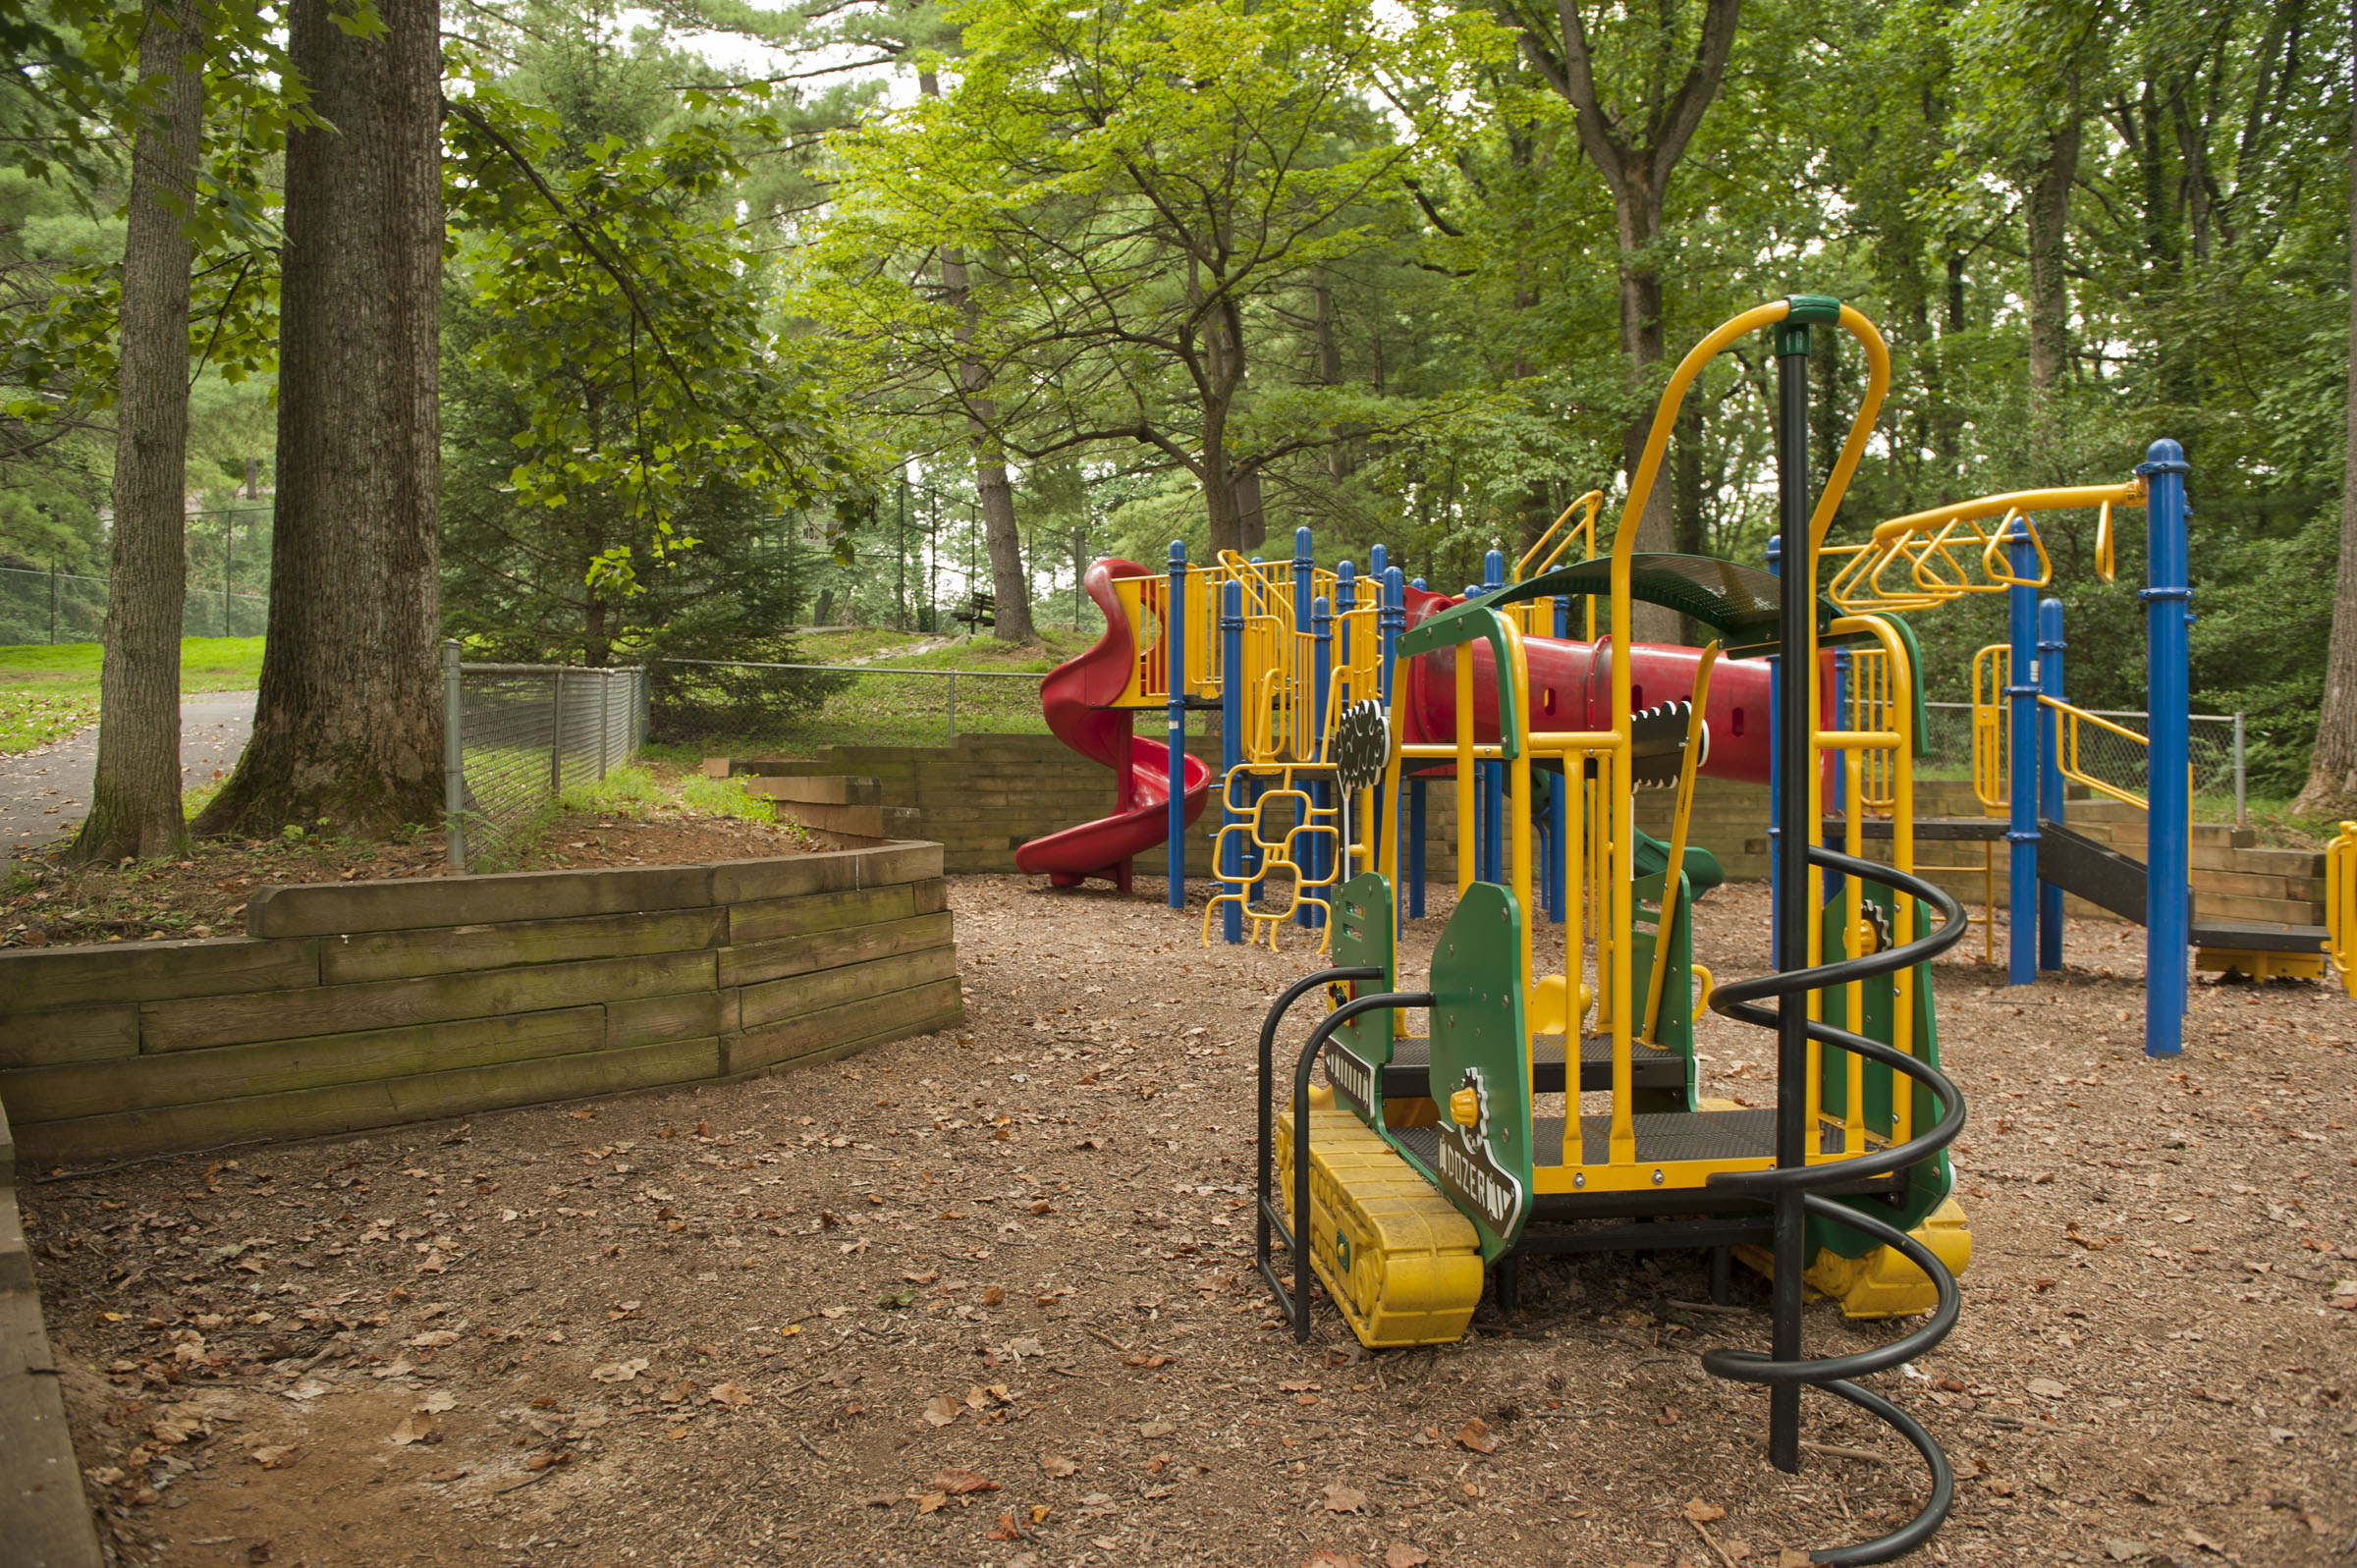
(1401, 1262)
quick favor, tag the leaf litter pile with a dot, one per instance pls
(986, 1297)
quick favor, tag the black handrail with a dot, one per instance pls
(1741, 1000)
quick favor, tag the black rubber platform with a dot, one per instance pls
(1410, 1075)
(2253, 936)
(1662, 1137)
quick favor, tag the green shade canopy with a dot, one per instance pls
(1741, 604)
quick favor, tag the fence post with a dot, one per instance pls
(2243, 811)
(53, 604)
(556, 731)
(454, 758)
(605, 719)
(952, 707)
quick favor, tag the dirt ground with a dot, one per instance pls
(986, 1297)
(49, 903)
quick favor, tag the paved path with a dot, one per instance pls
(44, 794)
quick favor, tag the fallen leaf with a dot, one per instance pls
(619, 1370)
(729, 1394)
(1327, 1557)
(1057, 1464)
(439, 1400)
(275, 1457)
(415, 1427)
(433, 1339)
(1475, 1434)
(959, 1483)
(940, 1410)
(1703, 1513)
(1342, 1500)
(932, 1501)
(1404, 1555)
(1004, 1530)
(2047, 1388)
(1157, 1429)
(993, 1295)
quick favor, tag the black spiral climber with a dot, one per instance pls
(1789, 1186)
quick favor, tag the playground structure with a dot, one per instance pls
(1434, 1159)
(1307, 645)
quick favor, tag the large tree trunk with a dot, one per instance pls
(1640, 210)
(2332, 789)
(135, 799)
(2049, 233)
(1009, 584)
(348, 725)
(1635, 144)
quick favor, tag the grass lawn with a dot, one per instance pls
(48, 691)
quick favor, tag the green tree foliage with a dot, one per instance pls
(624, 427)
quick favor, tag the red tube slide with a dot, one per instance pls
(1571, 689)
(1078, 698)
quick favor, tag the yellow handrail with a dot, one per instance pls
(2340, 905)
(2067, 758)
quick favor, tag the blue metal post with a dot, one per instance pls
(2050, 772)
(1416, 790)
(1173, 647)
(1231, 750)
(1392, 619)
(1493, 774)
(1775, 749)
(2168, 613)
(2021, 784)
(1321, 671)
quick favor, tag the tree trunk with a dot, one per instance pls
(348, 724)
(2332, 789)
(1639, 212)
(1009, 584)
(2048, 226)
(134, 799)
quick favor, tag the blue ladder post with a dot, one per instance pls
(1173, 651)
(1232, 750)
(1321, 793)
(1393, 621)
(2168, 698)
(1346, 600)
(2021, 782)
(2051, 648)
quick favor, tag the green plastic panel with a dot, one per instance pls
(1467, 623)
(1362, 939)
(1480, 1041)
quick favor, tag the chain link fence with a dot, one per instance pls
(515, 737)
(2218, 746)
(786, 706)
(54, 607)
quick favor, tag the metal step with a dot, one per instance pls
(1410, 1074)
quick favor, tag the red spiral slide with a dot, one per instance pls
(1078, 698)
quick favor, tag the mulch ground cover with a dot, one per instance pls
(52, 902)
(986, 1297)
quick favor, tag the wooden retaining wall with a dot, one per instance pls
(361, 1005)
